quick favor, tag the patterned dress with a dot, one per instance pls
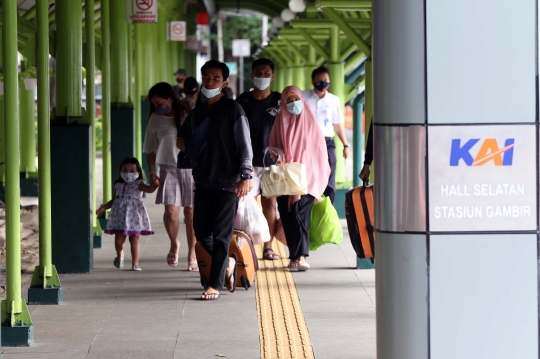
(128, 214)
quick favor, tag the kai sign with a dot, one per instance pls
(482, 178)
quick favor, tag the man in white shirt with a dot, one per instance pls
(327, 110)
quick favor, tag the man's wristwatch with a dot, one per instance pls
(245, 176)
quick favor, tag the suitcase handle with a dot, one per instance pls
(365, 183)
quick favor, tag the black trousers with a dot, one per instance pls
(296, 224)
(213, 220)
(330, 190)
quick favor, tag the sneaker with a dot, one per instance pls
(136, 268)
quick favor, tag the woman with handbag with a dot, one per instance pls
(297, 133)
(166, 115)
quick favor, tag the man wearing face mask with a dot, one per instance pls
(180, 76)
(261, 107)
(327, 110)
(216, 133)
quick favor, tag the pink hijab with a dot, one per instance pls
(301, 138)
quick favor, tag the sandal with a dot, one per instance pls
(270, 256)
(232, 277)
(193, 267)
(172, 259)
(293, 266)
(118, 263)
(210, 296)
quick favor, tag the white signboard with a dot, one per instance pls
(144, 11)
(241, 48)
(177, 31)
(482, 178)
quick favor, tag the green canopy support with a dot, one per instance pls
(348, 51)
(45, 287)
(27, 134)
(345, 5)
(309, 67)
(354, 61)
(316, 45)
(106, 99)
(348, 30)
(17, 327)
(323, 23)
(299, 55)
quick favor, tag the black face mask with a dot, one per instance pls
(179, 81)
(321, 85)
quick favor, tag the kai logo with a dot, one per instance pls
(489, 152)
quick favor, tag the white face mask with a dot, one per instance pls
(261, 83)
(210, 93)
(295, 107)
(129, 176)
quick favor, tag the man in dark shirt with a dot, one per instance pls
(261, 107)
(222, 173)
(180, 76)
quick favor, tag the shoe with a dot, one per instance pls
(136, 268)
(193, 267)
(118, 263)
(172, 259)
(210, 296)
(303, 266)
(293, 268)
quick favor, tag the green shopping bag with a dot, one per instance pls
(325, 226)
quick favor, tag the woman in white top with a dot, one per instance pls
(176, 188)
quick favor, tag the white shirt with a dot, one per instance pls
(160, 138)
(327, 110)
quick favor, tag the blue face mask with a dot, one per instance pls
(162, 111)
(322, 85)
(210, 93)
(295, 107)
(179, 81)
(261, 83)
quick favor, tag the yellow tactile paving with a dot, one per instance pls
(282, 328)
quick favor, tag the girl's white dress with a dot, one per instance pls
(128, 215)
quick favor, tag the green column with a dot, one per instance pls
(45, 287)
(106, 99)
(289, 76)
(337, 84)
(71, 134)
(282, 78)
(190, 57)
(310, 66)
(14, 310)
(119, 58)
(164, 58)
(298, 74)
(2, 144)
(27, 134)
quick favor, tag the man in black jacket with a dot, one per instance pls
(222, 173)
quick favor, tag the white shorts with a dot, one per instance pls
(257, 181)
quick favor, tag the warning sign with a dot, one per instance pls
(145, 11)
(177, 31)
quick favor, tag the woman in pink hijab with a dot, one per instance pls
(298, 134)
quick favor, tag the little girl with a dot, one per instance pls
(128, 215)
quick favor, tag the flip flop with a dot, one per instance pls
(233, 274)
(118, 263)
(193, 267)
(172, 259)
(269, 256)
(210, 296)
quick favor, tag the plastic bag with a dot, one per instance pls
(325, 225)
(251, 220)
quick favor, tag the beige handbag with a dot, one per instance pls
(284, 179)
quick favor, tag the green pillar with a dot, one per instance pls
(45, 287)
(71, 134)
(337, 84)
(2, 144)
(298, 74)
(17, 327)
(27, 134)
(289, 76)
(106, 99)
(282, 78)
(310, 66)
(164, 58)
(122, 143)
(190, 57)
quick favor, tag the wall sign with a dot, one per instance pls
(177, 31)
(482, 178)
(144, 11)
(241, 48)
(192, 43)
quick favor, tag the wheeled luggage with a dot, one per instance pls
(248, 263)
(359, 212)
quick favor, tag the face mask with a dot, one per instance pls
(321, 86)
(262, 83)
(295, 107)
(179, 81)
(210, 93)
(161, 111)
(129, 177)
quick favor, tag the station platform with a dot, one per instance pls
(327, 312)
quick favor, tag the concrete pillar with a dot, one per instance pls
(456, 156)
(71, 152)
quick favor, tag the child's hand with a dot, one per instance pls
(155, 183)
(101, 209)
